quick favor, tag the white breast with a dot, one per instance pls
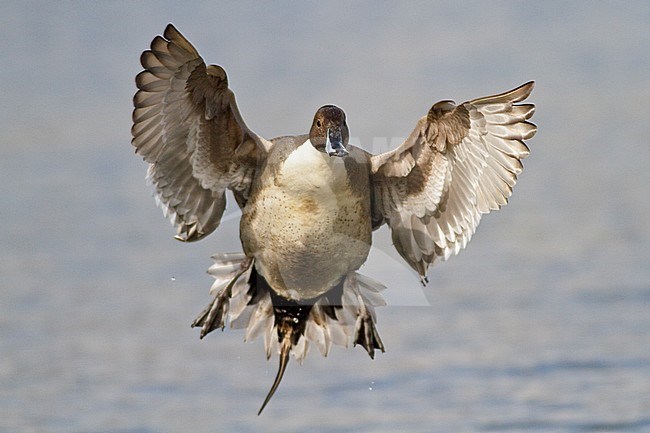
(308, 170)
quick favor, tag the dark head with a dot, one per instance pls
(329, 133)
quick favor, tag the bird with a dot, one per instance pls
(310, 203)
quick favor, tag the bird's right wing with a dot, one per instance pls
(187, 126)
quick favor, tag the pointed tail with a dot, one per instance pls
(344, 315)
(285, 350)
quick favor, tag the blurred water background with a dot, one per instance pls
(542, 324)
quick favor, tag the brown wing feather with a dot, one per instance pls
(186, 125)
(459, 163)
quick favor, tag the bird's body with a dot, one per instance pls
(311, 202)
(304, 206)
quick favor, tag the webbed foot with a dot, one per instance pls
(214, 315)
(227, 270)
(365, 332)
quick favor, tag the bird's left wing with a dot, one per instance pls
(459, 163)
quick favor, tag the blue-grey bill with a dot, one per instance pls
(334, 148)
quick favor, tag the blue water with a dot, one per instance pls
(542, 324)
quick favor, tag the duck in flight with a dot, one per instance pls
(311, 202)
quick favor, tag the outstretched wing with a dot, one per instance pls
(186, 125)
(459, 163)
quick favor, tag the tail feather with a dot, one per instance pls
(317, 330)
(331, 320)
(225, 269)
(260, 320)
(284, 361)
(342, 316)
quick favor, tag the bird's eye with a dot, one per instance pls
(318, 123)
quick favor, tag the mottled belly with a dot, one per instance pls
(307, 233)
(305, 247)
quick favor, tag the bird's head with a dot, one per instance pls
(329, 132)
